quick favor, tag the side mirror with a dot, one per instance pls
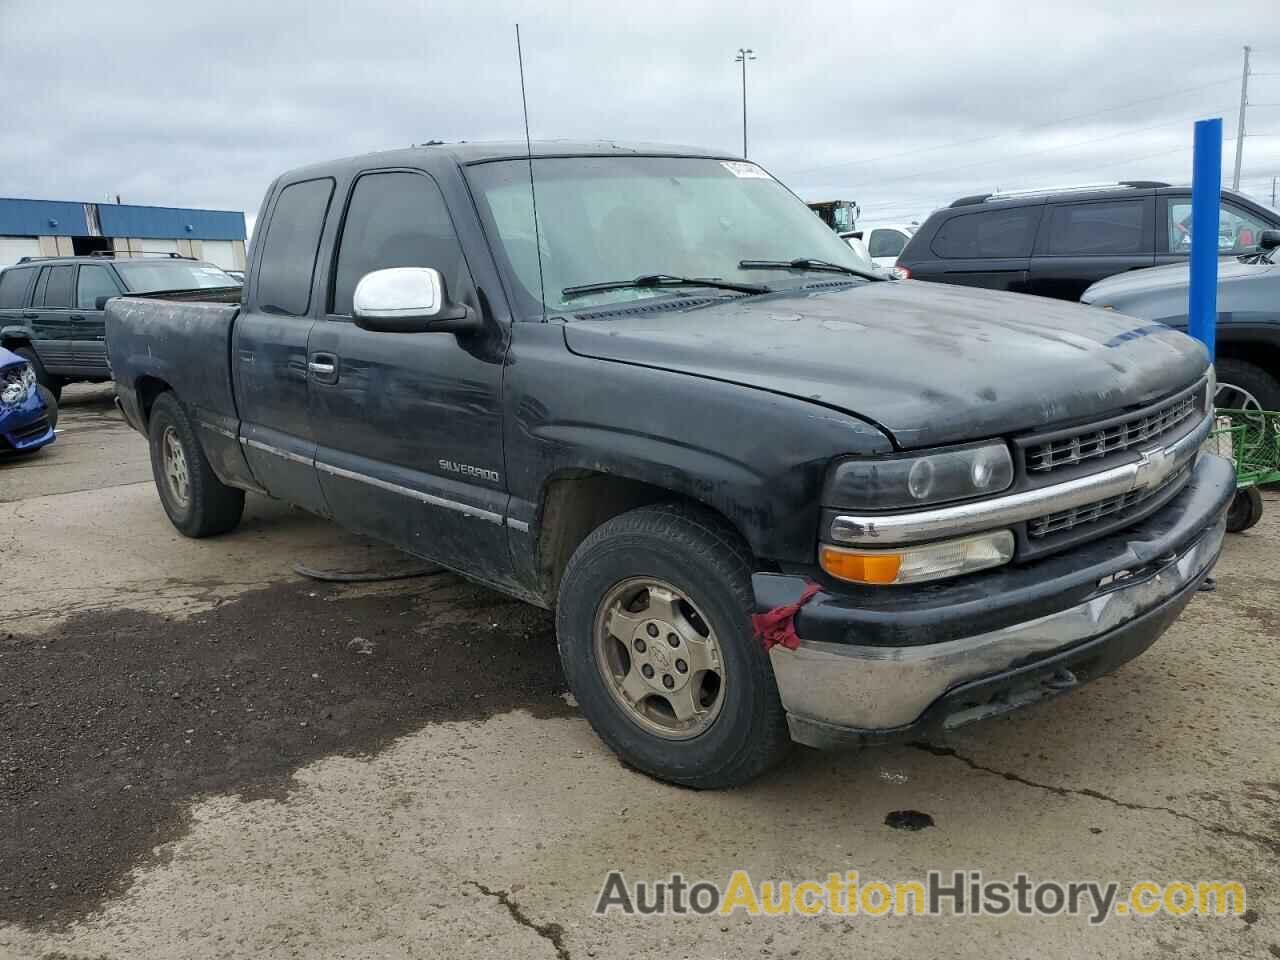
(409, 300)
(1269, 239)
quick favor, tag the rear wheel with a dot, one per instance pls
(43, 377)
(197, 502)
(655, 638)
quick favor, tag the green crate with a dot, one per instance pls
(1250, 439)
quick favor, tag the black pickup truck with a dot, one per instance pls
(769, 497)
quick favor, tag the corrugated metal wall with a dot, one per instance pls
(125, 220)
(34, 218)
(64, 219)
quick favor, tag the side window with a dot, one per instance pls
(1238, 230)
(42, 281)
(94, 282)
(396, 219)
(13, 288)
(59, 287)
(1107, 228)
(990, 234)
(886, 243)
(289, 249)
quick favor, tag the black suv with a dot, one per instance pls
(1056, 243)
(51, 308)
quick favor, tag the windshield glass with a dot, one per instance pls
(621, 217)
(155, 276)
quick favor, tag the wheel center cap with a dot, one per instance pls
(660, 659)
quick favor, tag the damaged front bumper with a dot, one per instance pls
(885, 664)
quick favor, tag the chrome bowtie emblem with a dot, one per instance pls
(1154, 467)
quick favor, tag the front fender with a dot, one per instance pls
(758, 458)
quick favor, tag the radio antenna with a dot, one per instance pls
(533, 194)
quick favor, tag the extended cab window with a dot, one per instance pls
(13, 288)
(987, 235)
(94, 282)
(1112, 227)
(288, 262)
(396, 219)
(59, 284)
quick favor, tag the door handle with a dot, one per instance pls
(76, 316)
(323, 367)
(31, 316)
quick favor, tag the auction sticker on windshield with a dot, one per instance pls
(744, 170)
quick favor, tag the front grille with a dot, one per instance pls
(1062, 520)
(32, 430)
(1113, 435)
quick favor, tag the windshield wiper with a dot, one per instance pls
(662, 280)
(803, 263)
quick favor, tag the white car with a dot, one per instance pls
(884, 241)
(860, 252)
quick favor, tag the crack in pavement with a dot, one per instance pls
(1271, 844)
(551, 932)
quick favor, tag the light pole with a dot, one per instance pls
(1240, 134)
(744, 54)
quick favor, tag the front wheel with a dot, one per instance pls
(655, 638)
(197, 502)
(1245, 386)
(1245, 510)
(50, 405)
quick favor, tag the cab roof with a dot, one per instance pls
(464, 153)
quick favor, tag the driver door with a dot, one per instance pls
(409, 425)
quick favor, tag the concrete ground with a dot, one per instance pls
(204, 755)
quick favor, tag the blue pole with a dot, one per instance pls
(1206, 193)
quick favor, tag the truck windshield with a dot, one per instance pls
(156, 276)
(615, 218)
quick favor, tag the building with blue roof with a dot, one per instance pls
(60, 228)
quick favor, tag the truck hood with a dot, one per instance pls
(929, 363)
(1157, 280)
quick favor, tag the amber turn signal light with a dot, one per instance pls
(920, 563)
(860, 567)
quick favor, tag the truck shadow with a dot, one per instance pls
(114, 720)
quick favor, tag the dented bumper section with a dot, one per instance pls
(889, 663)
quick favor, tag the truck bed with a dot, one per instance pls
(179, 342)
(200, 295)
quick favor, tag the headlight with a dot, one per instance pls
(929, 561)
(16, 384)
(915, 480)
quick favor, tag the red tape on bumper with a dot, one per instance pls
(778, 626)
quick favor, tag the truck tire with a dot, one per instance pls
(655, 636)
(1239, 378)
(197, 502)
(1245, 510)
(50, 405)
(51, 383)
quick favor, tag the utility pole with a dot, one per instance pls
(1244, 102)
(744, 54)
(1273, 192)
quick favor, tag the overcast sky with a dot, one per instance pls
(900, 106)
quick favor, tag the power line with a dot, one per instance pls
(1145, 156)
(1030, 153)
(998, 136)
